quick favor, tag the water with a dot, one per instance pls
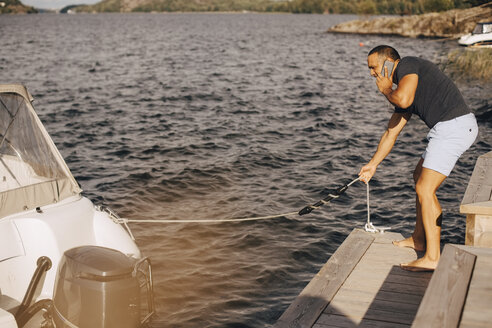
(195, 116)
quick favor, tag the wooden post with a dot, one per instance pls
(477, 204)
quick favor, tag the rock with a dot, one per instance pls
(449, 24)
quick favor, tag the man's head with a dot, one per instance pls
(377, 56)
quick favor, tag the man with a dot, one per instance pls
(422, 89)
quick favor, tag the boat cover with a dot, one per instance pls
(32, 171)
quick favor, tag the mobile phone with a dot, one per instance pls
(390, 66)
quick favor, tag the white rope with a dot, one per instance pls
(123, 220)
(369, 227)
(354, 181)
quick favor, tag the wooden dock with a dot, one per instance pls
(362, 285)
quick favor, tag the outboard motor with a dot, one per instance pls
(99, 287)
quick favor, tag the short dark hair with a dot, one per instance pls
(385, 51)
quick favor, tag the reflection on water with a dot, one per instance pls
(198, 116)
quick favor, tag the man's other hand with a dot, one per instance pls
(384, 82)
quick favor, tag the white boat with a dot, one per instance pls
(63, 261)
(480, 37)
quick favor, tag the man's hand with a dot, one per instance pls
(384, 82)
(366, 172)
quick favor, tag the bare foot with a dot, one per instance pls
(420, 265)
(411, 243)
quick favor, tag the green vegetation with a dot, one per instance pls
(103, 7)
(392, 7)
(474, 63)
(183, 6)
(214, 5)
(15, 7)
(374, 7)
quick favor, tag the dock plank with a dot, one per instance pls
(375, 286)
(340, 321)
(377, 304)
(384, 295)
(443, 302)
(476, 312)
(308, 306)
(359, 313)
(395, 277)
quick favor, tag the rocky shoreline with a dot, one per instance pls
(449, 24)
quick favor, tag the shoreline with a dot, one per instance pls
(450, 24)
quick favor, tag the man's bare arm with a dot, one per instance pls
(404, 94)
(386, 143)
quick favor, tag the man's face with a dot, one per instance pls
(375, 64)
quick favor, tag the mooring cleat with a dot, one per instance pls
(369, 227)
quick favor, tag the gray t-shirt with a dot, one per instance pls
(437, 98)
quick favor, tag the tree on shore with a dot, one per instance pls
(15, 7)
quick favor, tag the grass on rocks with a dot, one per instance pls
(470, 63)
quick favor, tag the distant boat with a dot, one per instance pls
(480, 37)
(98, 277)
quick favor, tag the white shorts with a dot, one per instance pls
(448, 140)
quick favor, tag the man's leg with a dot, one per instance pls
(426, 188)
(417, 239)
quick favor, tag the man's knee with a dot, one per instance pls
(423, 190)
(428, 183)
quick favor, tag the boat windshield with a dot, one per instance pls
(487, 28)
(478, 29)
(482, 28)
(32, 171)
